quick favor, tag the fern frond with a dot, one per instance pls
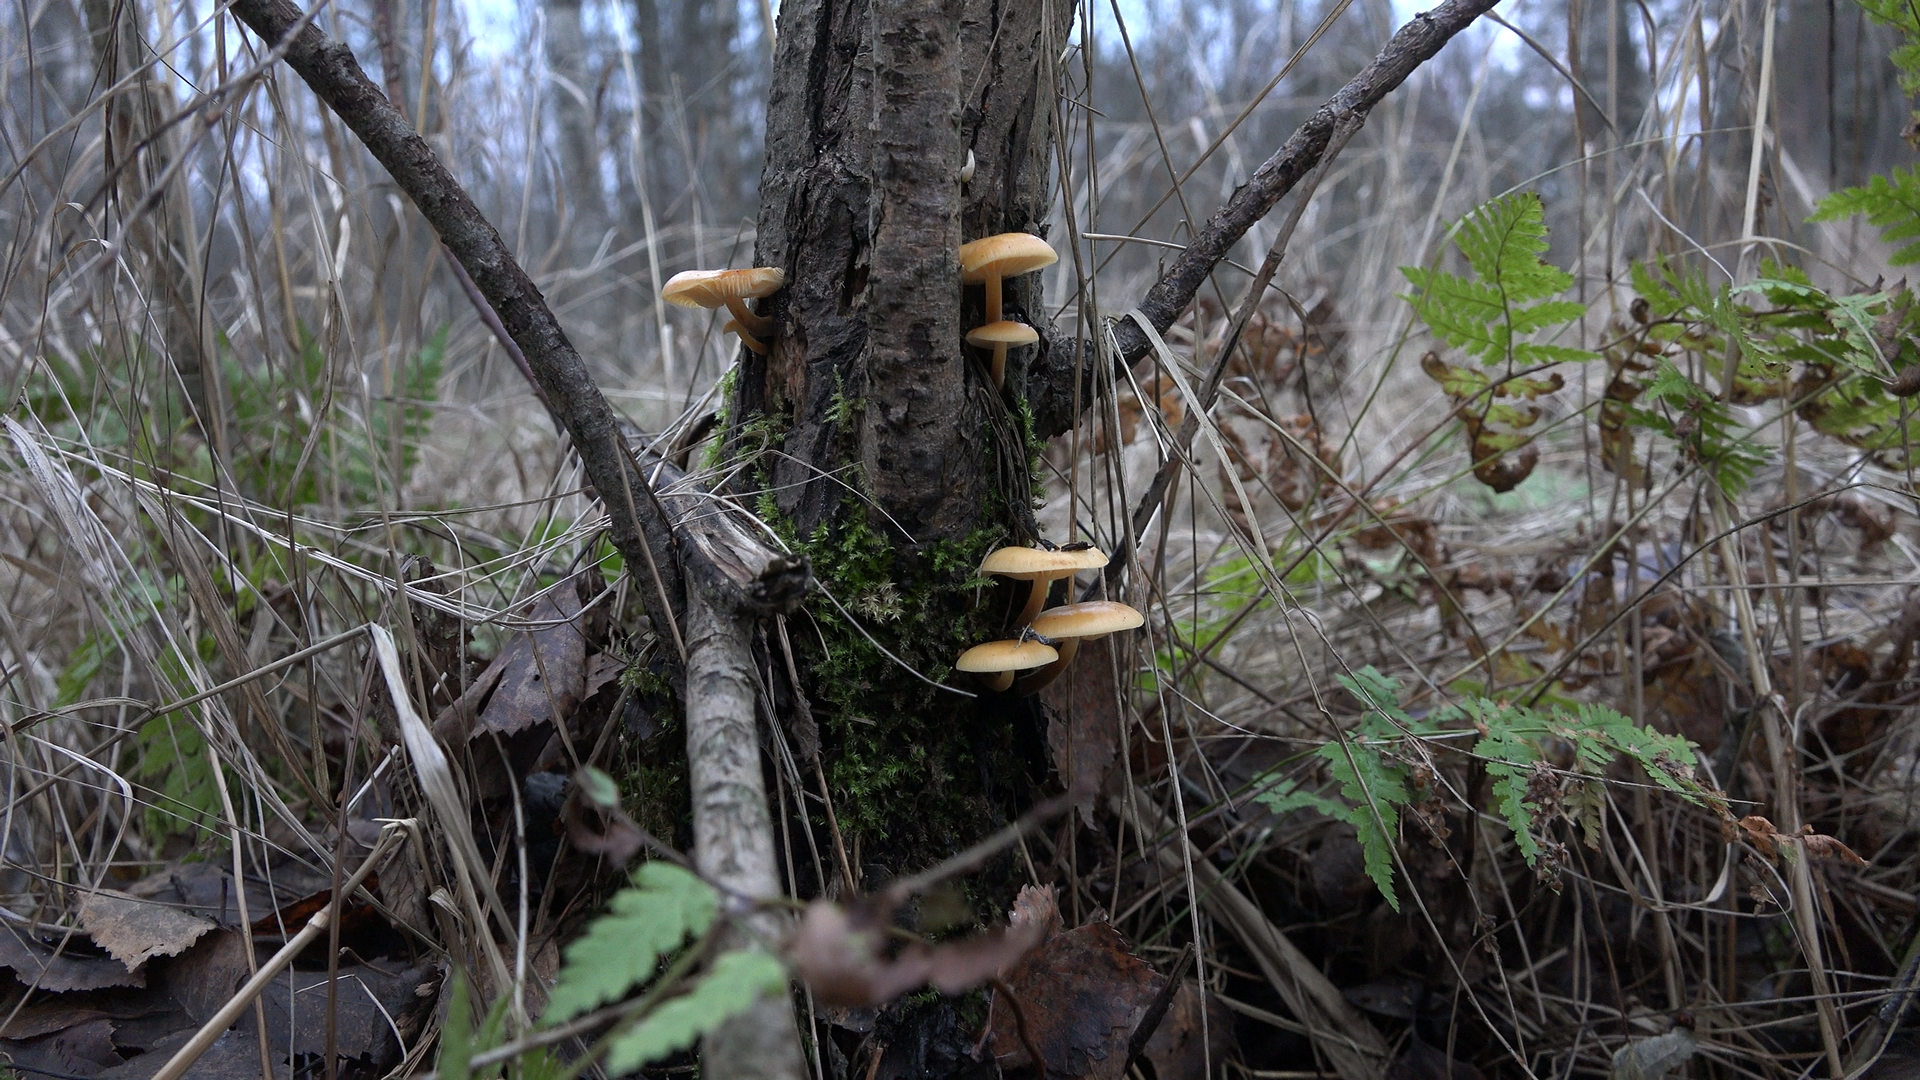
(736, 980)
(621, 949)
(1511, 293)
(1890, 203)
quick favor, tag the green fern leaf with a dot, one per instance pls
(1510, 295)
(621, 949)
(1285, 796)
(1890, 203)
(736, 980)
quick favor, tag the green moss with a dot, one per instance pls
(916, 772)
(652, 756)
(912, 767)
(716, 452)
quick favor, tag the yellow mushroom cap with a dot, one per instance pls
(712, 288)
(1005, 255)
(998, 656)
(1005, 332)
(1096, 618)
(1027, 563)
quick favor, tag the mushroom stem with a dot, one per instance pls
(998, 681)
(999, 365)
(1033, 681)
(758, 324)
(733, 327)
(1036, 600)
(993, 298)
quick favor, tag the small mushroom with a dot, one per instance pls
(987, 260)
(731, 288)
(996, 661)
(1070, 624)
(1000, 336)
(1041, 567)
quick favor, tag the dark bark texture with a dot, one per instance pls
(874, 107)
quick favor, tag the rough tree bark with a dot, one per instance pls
(873, 110)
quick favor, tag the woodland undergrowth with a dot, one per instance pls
(1530, 641)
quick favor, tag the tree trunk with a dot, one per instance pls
(873, 109)
(882, 449)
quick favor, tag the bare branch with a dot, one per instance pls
(753, 577)
(1050, 384)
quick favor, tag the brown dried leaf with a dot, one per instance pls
(1761, 834)
(205, 976)
(132, 930)
(544, 672)
(1179, 1050)
(1828, 847)
(36, 965)
(233, 1056)
(838, 953)
(1082, 994)
(82, 1050)
(370, 1003)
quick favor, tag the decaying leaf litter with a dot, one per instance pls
(1607, 773)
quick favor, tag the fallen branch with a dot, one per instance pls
(1050, 386)
(702, 567)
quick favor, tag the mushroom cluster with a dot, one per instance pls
(730, 289)
(988, 261)
(1048, 638)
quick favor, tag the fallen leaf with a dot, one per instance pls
(1651, 1059)
(235, 1055)
(206, 975)
(36, 965)
(1081, 993)
(543, 672)
(369, 1004)
(83, 1050)
(133, 930)
(201, 888)
(1179, 1050)
(839, 953)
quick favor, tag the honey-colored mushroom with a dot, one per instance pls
(988, 260)
(1070, 624)
(1041, 567)
(730, 289)
(1000, 336)
(996, 661)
